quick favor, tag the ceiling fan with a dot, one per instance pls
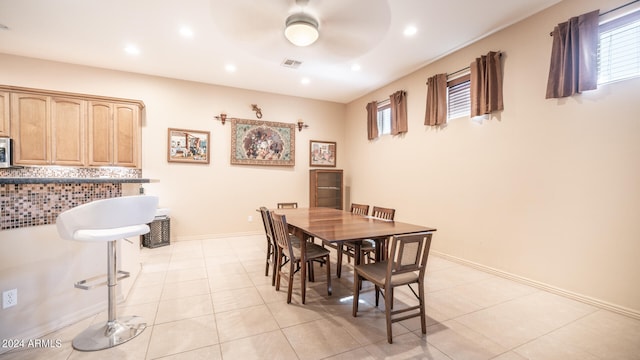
(301, 29)
(345, 29)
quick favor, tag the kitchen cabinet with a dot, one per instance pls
(68, 134)
(326, 188)
(47, 130)
(30, 128)
(114, 134)
(58, 128)
(4, 114)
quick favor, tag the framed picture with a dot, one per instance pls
(262, 143)
(322, 153)
(188, 146)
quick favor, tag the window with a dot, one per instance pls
(384, 117)
(459, 97)
(619, 50)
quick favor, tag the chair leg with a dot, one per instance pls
(423, 317)
(266, 268)
(274, 263)
(377, 294)
(339, 261)
(356, 293)
(278, 270)
(312, 276)
(290, 287)
(329, 289)
(391, 297)
(303, 286)
(388, 301)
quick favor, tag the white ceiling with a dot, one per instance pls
(249, 35)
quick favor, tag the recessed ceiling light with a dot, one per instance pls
(305, 81)
(230, 68)
(355, 67)
(410, 30)
(132, 49)
(186, 32)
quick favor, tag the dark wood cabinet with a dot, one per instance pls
(326, 188)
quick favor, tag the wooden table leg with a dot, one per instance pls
(379, 249)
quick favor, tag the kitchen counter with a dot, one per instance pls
(98, 180)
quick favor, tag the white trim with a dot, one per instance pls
(540, 285)
(217, 236)
(60, 323)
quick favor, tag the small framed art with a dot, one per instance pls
(322, 153)
(188, 146)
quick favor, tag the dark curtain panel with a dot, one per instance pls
(486, 84)
(398, 102)
(436, 113)
(574, 56)
(372, 120)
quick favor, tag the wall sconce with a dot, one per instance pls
(302, 125)
(222, 118)
(258, 111)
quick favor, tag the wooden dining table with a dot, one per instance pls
(337, 226)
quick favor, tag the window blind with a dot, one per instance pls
(619, 50)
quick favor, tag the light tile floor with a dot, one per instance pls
(209, 299)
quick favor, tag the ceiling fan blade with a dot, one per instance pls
(244, 20)
(348, 33)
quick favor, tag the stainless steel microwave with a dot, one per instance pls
(5, 152)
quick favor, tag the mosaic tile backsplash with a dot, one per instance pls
(23, 205)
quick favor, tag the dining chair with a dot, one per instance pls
(405, 265)
(313, 252)
(360, 209)
(368, 246)
(287, 205)
(272, 247)
(346, 248)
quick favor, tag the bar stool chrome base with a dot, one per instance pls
(109, 334)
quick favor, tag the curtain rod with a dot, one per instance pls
(619, 7)
(468, 67)
(459, 71)
(612, 10)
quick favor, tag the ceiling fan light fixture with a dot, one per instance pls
(301, 29)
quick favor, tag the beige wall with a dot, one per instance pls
(205, 200)
(547, 190)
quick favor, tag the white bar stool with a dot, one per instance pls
(107, 221)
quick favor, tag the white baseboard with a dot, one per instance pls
(552, 289)
(217, 236)
(57, 324)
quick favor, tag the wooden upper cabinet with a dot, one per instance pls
(47, 130)
(114, 134)
(100, 141)
(57, 128)
(68, 134)
(30, 129)
(126, 135)
(5, 101)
